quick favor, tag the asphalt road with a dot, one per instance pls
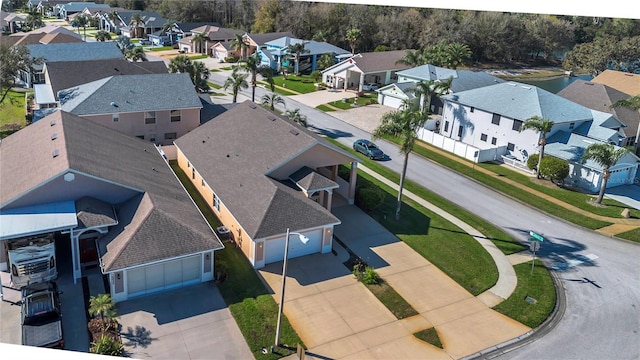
(600, 275)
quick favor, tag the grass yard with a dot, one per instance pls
(633, 235)
(324, 108)
(277, 90)
(302, 84)
(252, 306)
(392, 300)
(430, 336)
(12, 113)
(538, 286)
(214, 85)
(162, 48)
(198, 57)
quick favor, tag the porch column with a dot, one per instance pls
(334, 172)
(329, 197)
(75, 255)
(361, 82)
(353, 174)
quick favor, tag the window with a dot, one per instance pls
(517, 125)
(496, 119)
(511, 147)
(115, 117)
(193, 173)
(149, 117)
(472, 109)
(493, 141)
(216, 202)
(446, 126)
(152, 138)
(571, 126)
(202, 183)
(188, 164)
(140, 137)
(483, 137)
(169, 136)
(175, 115)
(460, 129)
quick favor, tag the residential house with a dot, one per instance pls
(214, 35)
(153, 22)
(80, 51)
(111, 200)
(63, 11)
(13, 22)
(259, 41)
(483, 124)
(51, 29)
(364, 68)
(40, 38)
(277, 54)
(600, 97)
(627, 83)
(173, 35)
(158, 108)
(262, 174)
(394, 94)
(105, 22)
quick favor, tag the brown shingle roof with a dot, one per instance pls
(380, 61)
(626, 82)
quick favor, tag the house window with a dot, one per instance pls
(511, 147)
(175, 115)
(571, 126)
(188, 164)
(446, 126)
(216, 202)
(202, 183)
(169, 136)
(496, 119)
(493, 141)
(483, 137)
(149, 117)
(472, 109)
(152, 138)
(517, 125)
(115, 117)
(193, 173)
(460, 129)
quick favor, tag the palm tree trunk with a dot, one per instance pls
(402, 177)
(539, 162)
(603, 187)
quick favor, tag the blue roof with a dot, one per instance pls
(428, 72)
(80, 51)
(520, 101)
(570, 147)
(37, 219)
(79, 6)
(601, 127)
(314, 47)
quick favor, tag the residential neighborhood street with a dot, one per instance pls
(599, 274)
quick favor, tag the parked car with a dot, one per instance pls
(370, 87)
(145, 42)
(41, 319)
(369, 149)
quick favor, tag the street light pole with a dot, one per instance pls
(304, 240)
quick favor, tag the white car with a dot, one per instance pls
(370, 87)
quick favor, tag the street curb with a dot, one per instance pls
(531, 336)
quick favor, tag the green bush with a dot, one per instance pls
(231, 59)
(532, 161)
(369, 198)
(107, 346)
(368, 275)
(553, 168)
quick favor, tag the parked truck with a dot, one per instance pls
(32, 259)
(41, 316)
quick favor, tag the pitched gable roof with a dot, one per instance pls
(131, 93)
(262, 39)
(379, 61)
(81, 51)
(626, 82)
(235, 153)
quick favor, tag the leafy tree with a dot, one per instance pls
(251, 66)
(105, 345)
(200, 39)
(238, 44)
(381, 48)
(605, 53)
(353, 37)
(555, 169)
(102, 35)
(605, 155)
(403, 124)
(325, 61)
(236, 81)
(13, 60)
(321, 35)
(295, 51)
(542, 127)
(267, 16)
(532, 162)
(136, 54)
(271, 100)
(34, 19)
(199, 76)
(124, 43)
(136, 23)
(267, 74)
(297, 117)
(631, 103)
(411, 58)
(435, 55)
(316, 75)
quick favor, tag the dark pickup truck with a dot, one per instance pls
(40, 314)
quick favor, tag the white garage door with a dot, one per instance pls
(392, 102)
(163, 276)
(274, 249)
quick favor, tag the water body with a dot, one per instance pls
(554, 85)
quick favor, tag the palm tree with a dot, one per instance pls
(541, 126)
(136, 23)
(34, 19)
(236, 81)
(427, 89)
(102, 35)
(168, 28)
(199, 39)
(321, 35)
(180, 64)
(457, 54)
(199, 76)
(267, 74)
(136, 54)
(81, 21)
(295, 116)
(102, 306)
(251, 65)
(271, 100)
(124, 43)
(353, 36)
(325, 61)
(238, 44)
(605, 155)
(114, 17)
(631, 103)
(411, 58)
(403, 124)
(296, 50)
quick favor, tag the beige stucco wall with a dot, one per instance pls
(133, 124)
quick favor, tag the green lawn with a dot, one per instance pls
(277, 90)
(300, 83)
(250, 303)
(214, 85)
(12, 112)
(633, 235)
(430, 336)
(392, 300)
(324, 108)
(162, 48)
(538, 286)
(198, 57)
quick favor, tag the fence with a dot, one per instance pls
(461, 149)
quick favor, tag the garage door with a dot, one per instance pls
(392, 101)
(163, 276)
(274, 249)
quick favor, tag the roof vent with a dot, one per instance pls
(114, 104)
(55, 153)
(294, 132)
(526, 87)
(54, 136)
(511, 84)
(52, 122)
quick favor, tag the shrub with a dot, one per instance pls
(368, 275)
(231, 59)
(107, 346)
(532, 161)
(316, 75)
(369, 198)
(555, 169)
(343, 172)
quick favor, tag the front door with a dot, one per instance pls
(88, 250)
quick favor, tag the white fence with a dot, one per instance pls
(517, 164)
(466, 151)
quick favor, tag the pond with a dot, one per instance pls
(554, 85)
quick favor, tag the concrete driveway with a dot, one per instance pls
(366, 117)
(188, 323)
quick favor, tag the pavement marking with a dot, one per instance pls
(573, 262)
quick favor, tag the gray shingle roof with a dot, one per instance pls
(519, 101)
(261, 39)
(570, 147)
(428, 72)
(313, 47)
(235, 153)
(131, 93)
(81, 51)
(66, 74)
(379, 61)
(311, 181)
(93, 212)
